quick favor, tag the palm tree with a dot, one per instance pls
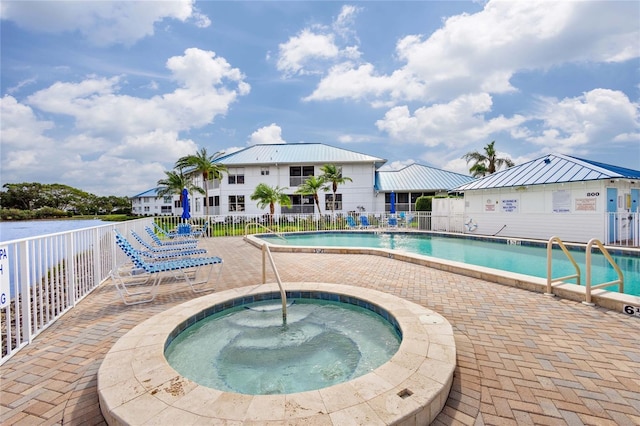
(174, 183)
(332, 176)
(311, 186)
(270, 196)
(202, 162)
(487, 162)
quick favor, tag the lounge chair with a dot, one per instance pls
(162, 231)
(145, 276)
(364, 221)
(351, 223)
(393, 221)
(186, 231)
(167, 252)
(158, 242)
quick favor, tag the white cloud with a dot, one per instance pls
(481, 52)
(20, 128)
(207, 86)
(455, 124)
(314, 47)
(113, 129)
(600, 116)
(300, 50)
(271, 134)
(102, 22)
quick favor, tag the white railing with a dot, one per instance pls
(49, 274)
(622, 229)
(236, 224)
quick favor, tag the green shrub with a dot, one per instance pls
(424, 203)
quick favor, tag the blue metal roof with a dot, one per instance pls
(552, 168)
(417, 177)
(148, 193)
(296, 153)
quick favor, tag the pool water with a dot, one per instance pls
(251, 352)
(523, 259)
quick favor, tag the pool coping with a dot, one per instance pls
(136, 385)
(606, 299)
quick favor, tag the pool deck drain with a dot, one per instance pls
(522, 358)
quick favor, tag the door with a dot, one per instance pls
(635, 220)
(612, 208)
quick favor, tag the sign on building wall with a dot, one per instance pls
(510, 205)
(586, 204)
(561, 201)
(489, 206)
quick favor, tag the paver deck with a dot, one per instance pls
(523, 358)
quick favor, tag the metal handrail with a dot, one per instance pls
(619, 281)
(246, 229)
(550, 280)
(283, 294)
(265, 252)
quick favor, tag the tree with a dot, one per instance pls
(270, 196)
(487, 162)
(175, 182)
(332, 176)
(311, 186)
(201, 162)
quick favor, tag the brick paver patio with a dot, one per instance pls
(523, 358)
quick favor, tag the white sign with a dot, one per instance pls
(510, 206)
(631, 310)
(561, 201)
(5, 286)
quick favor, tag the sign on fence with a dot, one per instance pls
(5, 286)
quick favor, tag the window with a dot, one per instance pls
(300, 204)
(236, 175)
(165, 209)
(236, 203)
(402, 201)
(264, 171)
(213, 201)
(167, 199)
(298, 174)
(177, 204)
(328, 199)
(146, 208)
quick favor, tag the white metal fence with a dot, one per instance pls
(49, 274)
(623, 229)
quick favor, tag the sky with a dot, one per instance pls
(105, 96)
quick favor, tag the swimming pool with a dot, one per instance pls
(518, 256)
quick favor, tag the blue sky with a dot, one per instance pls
(105, 96)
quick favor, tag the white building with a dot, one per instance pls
(556, 195)
(287, 165)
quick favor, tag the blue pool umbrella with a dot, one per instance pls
(392, 201)
(185, 204)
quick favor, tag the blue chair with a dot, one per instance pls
(167, 252)
(162, 243)
(138, 281)
(351, 223)
(393, 221)
(364, 221)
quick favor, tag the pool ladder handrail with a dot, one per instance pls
(283, 295)
(246, 230)
(550, 280)
(605, 252)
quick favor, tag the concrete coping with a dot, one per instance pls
(136, 385)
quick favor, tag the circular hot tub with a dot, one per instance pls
(136, 384)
